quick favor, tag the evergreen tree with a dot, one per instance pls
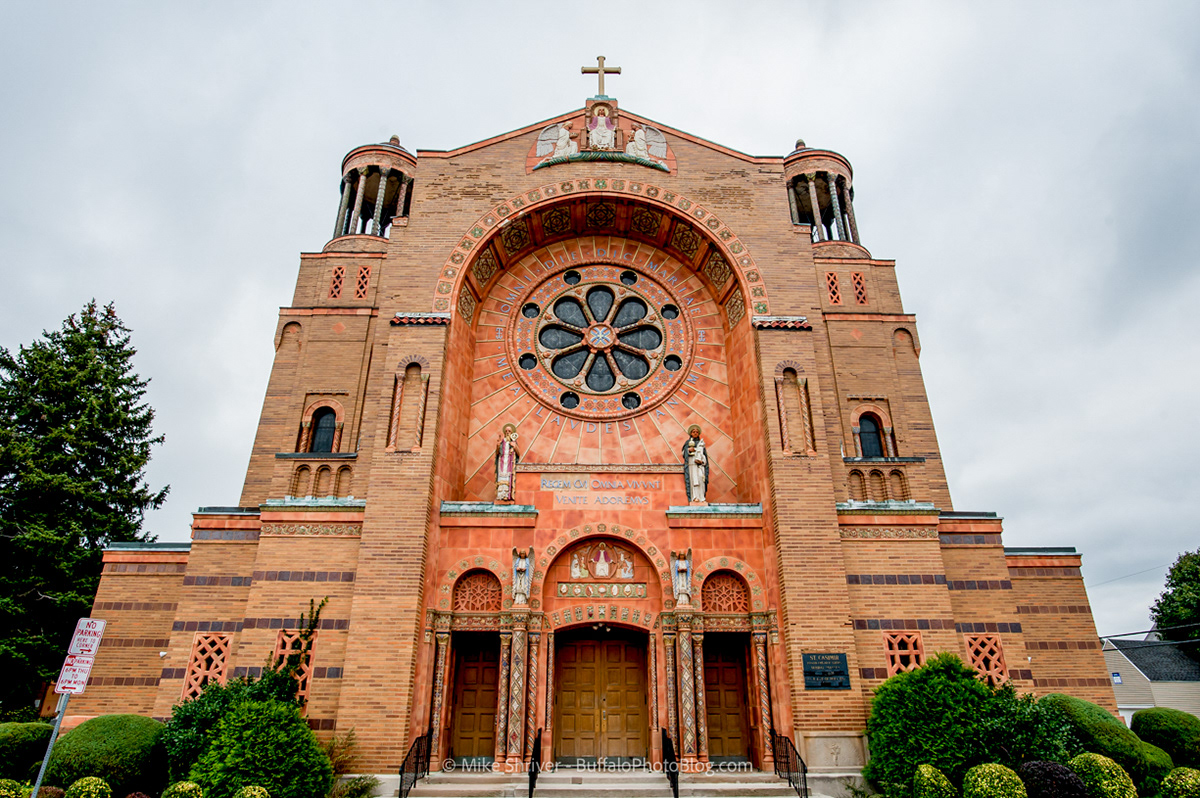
(75, 438)
(1179, 604)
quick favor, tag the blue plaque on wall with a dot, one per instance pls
(826, 672)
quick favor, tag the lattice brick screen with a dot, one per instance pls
(724, 592)
(986, 655)
(904, 651)
(210, 653)
(287, 643)
(335, 282)
(477, 592)
(860, 287)
(835, 290)
(364, 281)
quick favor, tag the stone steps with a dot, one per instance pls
(573, 783)
(471, 785)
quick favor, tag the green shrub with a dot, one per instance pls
(1182, 783)
(137, 795)
(342, 750)
(992, 781)
(1103, 733)
(11, 789)
(21, 745)
(184, 789)
(252, 792)
(264, 743)
(89, 787)
(1102, 777)
(1050, 780)
(1174, 731)
(125, 750)
(357, 787)
(931, 783)
(51, 792)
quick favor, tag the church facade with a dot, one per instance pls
(586, 431)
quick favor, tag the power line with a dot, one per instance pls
(1126, 576)
(1156, 630)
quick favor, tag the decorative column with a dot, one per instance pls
(502, 702)
(305, 435)
(687, 690)
(516, 701)
(402, 195)
(791, 191)
(654, 721)
(340, 225)
(701, 698)
(816, 205)
(831, 179)
(531, 692)
(352, 226)
(850, 213)
(384, 171)
(337, 437)
(439, 690)
(550, 685)
(763, 687)
(669, 668)
(889, 448)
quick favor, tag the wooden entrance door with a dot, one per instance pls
(476, 671)
(600, 699)
(725, 697)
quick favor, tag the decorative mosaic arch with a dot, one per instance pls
(715, 564)
(446, 588)
(754, 290)
(653, 552)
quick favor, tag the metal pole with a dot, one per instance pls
(62, 711)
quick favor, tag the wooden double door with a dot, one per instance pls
(726, 657)
(476, 674)
(600, 701)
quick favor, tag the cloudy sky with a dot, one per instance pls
(1031, 166)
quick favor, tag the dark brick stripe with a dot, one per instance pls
(145, 567)
(318, 673)
(135, 642)
(1081, 682)
(149, 606)
(322, 724)
(225, 534)
(873, 673)
(1021, 674)
(979, 628)
(254, 623)
(215, 580)
(1014, 571)
(970, 540)
(1062, 645)
(902, 624)
(206, 626)
(895, 579)
(1053, 609)
(173, 673)
(980, 584)
(304, 576)
(123, 681)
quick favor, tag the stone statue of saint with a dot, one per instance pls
(522, 575)
(602, 131)
(681, 576)
(576, 568)
(507, 458)
(695, 466)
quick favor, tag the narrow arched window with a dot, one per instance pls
(324, 423)
(868, 433)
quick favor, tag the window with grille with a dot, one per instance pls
(478, 592)
(724, 592)
(324, 423)
(363, 282)
(860, 287)
(835, 290)
(291, 643)
(335, 282)
(904, 651)
(210, 654)
(869, 435)
(987, 656)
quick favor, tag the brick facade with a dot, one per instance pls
(420, 332)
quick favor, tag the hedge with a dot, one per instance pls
(992, 781)
(124, 750)
(1102, 777)
(22, 745)
(1174, 731)
(1050, 780)
(1182, 783)
(1103, 733)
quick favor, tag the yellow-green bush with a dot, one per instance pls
(89, 787)
(11, 789)
(929, 782)
(992, 781)
(1182, 783)
(184, 789)
(1102, 777)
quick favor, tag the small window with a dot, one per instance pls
(835, 290)
(869, 434)
(335, 282)
(1116, 676)
(363, 282)
(324, 423)
(860, 287)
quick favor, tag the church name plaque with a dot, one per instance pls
(576, 489)
(826, 672)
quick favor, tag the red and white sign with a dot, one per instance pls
(87, 637)
(74, 675)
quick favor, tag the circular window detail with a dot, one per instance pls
(670, 312)
(604, 346)
(528, 361)
(531, 310)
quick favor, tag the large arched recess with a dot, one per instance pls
(639, 212)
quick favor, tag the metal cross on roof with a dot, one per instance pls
(600, 70)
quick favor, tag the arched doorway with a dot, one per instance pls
(726, 665)
(601, 701)
(475, 675)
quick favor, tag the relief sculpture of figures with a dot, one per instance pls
(647, 143)
(556, 141)
(681, 576)
(522, 576)
(602, 131)
(695, 466)
(507, 458)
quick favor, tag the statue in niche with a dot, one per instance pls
(602, 130)
(647, 143)
(557, 141)
(681, 576)
(507, 458)
(576, 567)
(624, 566)
(522, 576)
(601, 562)
(695, 466)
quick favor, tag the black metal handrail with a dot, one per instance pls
(670, 763)
(788, 764)
(535, 762)
(416, 764)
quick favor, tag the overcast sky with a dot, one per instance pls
(1032, 167)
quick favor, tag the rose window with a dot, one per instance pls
(601, 340)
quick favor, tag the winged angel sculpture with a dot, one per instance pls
(648, 143)
(556, 141)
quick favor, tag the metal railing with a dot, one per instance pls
(788, 764)
(416, 764)
(535, 761)
(670, 763)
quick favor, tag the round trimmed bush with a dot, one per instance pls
(184, 789)
(1174, 731)
(992, 781)
(1050, 780)
(125, 750)
(252, 792)
(89, 787)
(268, 744)
(1103, 733)
(11, 789)
(1182, 783)
(1102, 777)
(51, 792)
(929, 782)
(21, 745)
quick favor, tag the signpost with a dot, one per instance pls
(73, 677)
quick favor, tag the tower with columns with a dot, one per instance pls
(488, 377)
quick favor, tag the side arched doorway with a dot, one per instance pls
(727, 664)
